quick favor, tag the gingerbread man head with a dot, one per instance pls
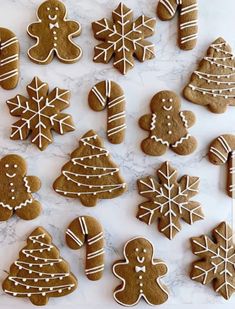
(165, 101)
(138, 251)
(12, 166)
(51, 10)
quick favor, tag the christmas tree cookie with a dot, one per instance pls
(216, 262)
(90, 174)
(16, 189)
(39, 273)
(213, 84)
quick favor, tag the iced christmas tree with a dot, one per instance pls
(213, 84)
(40, 272)
(90, 174)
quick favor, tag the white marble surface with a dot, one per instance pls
(169, 70)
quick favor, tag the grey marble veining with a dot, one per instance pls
(170, 69)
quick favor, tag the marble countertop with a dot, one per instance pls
(171, 70)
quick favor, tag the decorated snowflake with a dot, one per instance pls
(123, 38)
(217, 262)
(40, 113)
(169, 200)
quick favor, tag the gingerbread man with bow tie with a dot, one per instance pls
(54, 35)
(140, 274)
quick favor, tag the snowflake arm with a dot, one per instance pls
(191, 213)
(17, 105)
(103, 29)
(145, 25)
(59, 99)
(63, 123)
(189, 185)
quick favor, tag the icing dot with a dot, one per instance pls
(24, 280)
(11, 184)
(136, 249)
(54, 32)
(169, 124)
(43, 294)
(47, 280)
(171, 100)
(14, 294)
(6, 165)
(35, 280)
(16, 283)
(51, 264)
(90, 187)
(57, 9)
(168, 117)
(15, 165)
(12, 190)
(163, 100)
(141, 284)
(170, 132)
(30, 271)
(87, 177)
(30, 265)
(144, 250)
(40, 289)
(29, 294)
(141, 291)
(94, 193)
(55, 38)
(69, 288)
(40, 274)
(12, 197)
(27, 287)
(55, 44)
(51, 289)
(61, 278)
(99, 176)
(48, 9)
(60, 291)
(35, 258)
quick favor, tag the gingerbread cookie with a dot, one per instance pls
(110, 94)
(54, 34)
(140, 274)
(9, 59)
(188, 19)
(168, 126)
(213, 83)
(217, 260)
(123, 39)
(169, 200)
(221, 151)
(40, 113)
(16, 189)
(40, 272)
(88, 230)
(90, 174)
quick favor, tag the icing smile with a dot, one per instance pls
(167, 108)
(140, 259)
(52, 17)
(11, 175)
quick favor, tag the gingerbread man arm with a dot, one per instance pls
(145, 122)
(119, 268)
(33, 183)
(34, 29)
(73, 26)
(188, 118)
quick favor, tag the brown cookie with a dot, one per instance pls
(169, 200)
(221, 151)
(40, 272)
(109, 94)
(16, 189)
(188, 19)
(140, 274)
(123, 39)
(40, 113)
(90, 174)
(217, 260)
(9, 59)
(168, 126)
(54, 34)
(88, 230)
(213, 83)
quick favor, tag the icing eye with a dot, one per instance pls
(144, 250)
(48, 9)
(163, 100)
(6, 165)
(171, 100)
(136, 249)
(57, 9)
(15, 165)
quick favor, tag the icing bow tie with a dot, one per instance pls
(56, 25)
(138, 269)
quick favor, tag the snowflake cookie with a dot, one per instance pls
(140, 275)
(40, 113)
(169, 200)
(217, 260)
(188, 19)
(40, 272)
(213, 83)
(16, 189)
(123, 38)
(54, 34)
(167, 126)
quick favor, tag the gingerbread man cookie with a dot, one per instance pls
(16, 189)
(168, 126)
(54, 35)
(140, 274)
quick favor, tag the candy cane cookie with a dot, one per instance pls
(188, 19)
(222, 150)
(88, 230)
(9, 59)
(109, 94)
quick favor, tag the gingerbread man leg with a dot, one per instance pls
(41, 54)
(153, 148)
(71, 53)
(29, 212)
(5, 213)
(126, 297)
(185, 145)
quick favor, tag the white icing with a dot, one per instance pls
(167, 108)
(182, 139)
(140, 268)
(10, 175)
(153, 122)
(122, 37)
(140, 259)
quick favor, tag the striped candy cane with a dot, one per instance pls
(9, 59)
(88, 230)
(188, 19)
(109, 94)
(222, 150)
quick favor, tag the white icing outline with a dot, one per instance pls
(126, 262)
(70, 37)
